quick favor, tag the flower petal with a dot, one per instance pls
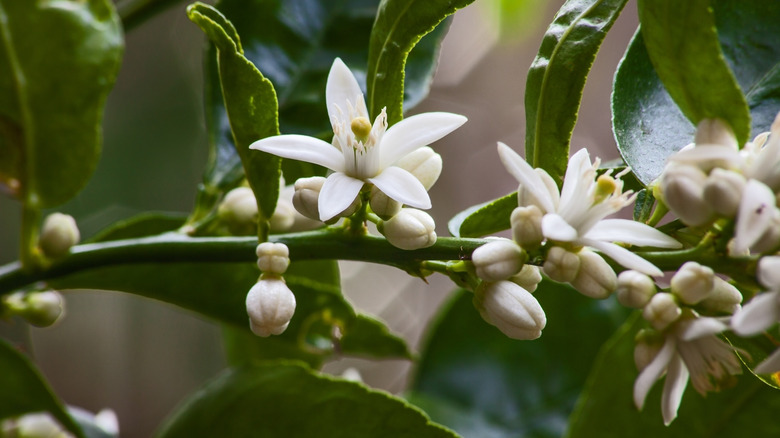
(754, 216)
(701, 327)
(674, 387)
(769, 272)
(556, 228)
(757, 315)
(701, 155)
(302, 148)
(340, 88)
(631, 232)
(769, 365)
(415, 132)
(576, 184)
(337, 193)
(653, 372)
(402, 186)
(623, 256)
(526, 176)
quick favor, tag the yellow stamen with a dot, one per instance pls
(605, 186)
(361, 127)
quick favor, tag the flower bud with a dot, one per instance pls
(723, 191)
(270, 305)
(662, 310)
(498, 260)
(424, 163)
(306, 197)
(528, 278)
(595, 278)
(284, 216)
(527, 226)
(634, 289)
(41, 309)
(272, 258)
(715, 132)
(723, 298)
(693, 282)
(768, 272)
(769, 241)
(409, 229)
(58, 234)
(682, 187)
(34, 425)
(561, 265)
(510, 308)
(239, 211)
(384, 206)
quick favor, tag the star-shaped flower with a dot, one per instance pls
(362, 153)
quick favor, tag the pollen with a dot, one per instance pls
(361, 127)
(605, 186)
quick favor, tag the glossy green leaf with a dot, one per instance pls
(606, 407)
(494, 386)
(144, 224)
(483, 219)
(682, 43)
(24, 390)
(398, 27)
(58, 62)
(557, 77)
(647, 123)
(285, 399)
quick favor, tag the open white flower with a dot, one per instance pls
(361, 152)
(576, 215)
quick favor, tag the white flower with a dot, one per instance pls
(361, 152)
(690, 350)
(577, 214)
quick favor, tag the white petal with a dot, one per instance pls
(674, 387)
(623, 256)
(402, 186)
(632, 232)
(556, 228)
(340, 88)
(302, 148)
(754, 216)
(769, 272)
(701, 327)
(337, 194)
(575, 184)
(757, 315)
(769, 365)
(653, 372)
(525, 175)
(698, 155)
(415, 132)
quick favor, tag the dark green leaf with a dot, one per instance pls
(58, 62)
(682, 43)
(144, 224)
(647, 123)
(25, 391)
(753, 351)
(367, 336)
(606, 407)
(502, 387)
(483, 219)
(398, 27)
(557, 76)
(285, 399)
(643, 207)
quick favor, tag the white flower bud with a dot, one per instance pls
(510, 308)
(561, 265)
(769, 241)
(272, 258)
(527, 226)
(724, 297)
(352, 374)
(409, 229)
(41, 309)
(35, 425)
(270, 305)
(284, 216)
(384, 206)
(635, 289)
(662, 310)
(424, 163)
(693, 282)
(497, 260)
(715, 132)
(528, 278)
(768, 272)
(58, 234)
(595, 278)
(723, 191)
(239, 210)
(307, 195)
(682, 187)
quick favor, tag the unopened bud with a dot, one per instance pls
(239, 210)
(307, 195)
(528, 278)
(284, 216)
(682, 186)
(770, 240)
(35, 425)
(723, 191)
(410, 229)
(41, 309)
(724, 297)
(270, 305)
(58, 234)
(662, 310)
(510, 308)
(424, 163)
(768, 272)
(715, 132)
(635, 289)
(272, 258)
(595, 278)
(561, 265)
(384, 206)
(497, 260)
(693, 282)
(527, 226)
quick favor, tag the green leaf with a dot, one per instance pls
(606, 407)
(58, 62)
(25, 391)
(557, 77)
(649, 126)
(483, 219)
(144, 224)
(494, 386)
(367, 336)
(682, 43)
(276, 399)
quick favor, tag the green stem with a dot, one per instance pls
(28, 251)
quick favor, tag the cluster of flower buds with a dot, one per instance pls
(58, 234)
(41, 309)
(270, 304)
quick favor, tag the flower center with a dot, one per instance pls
(605, 186)
(361, 127)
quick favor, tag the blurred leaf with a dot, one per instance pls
(367, 336)
(285, 399)
(643, 207)
(606, 408)
(557, 76)
(24, 390)
(513, 388)
(682, 43)
(58, 62)
(647, 123)
(398, 27)
(144, 224)
(754, 350)
(483, 219)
